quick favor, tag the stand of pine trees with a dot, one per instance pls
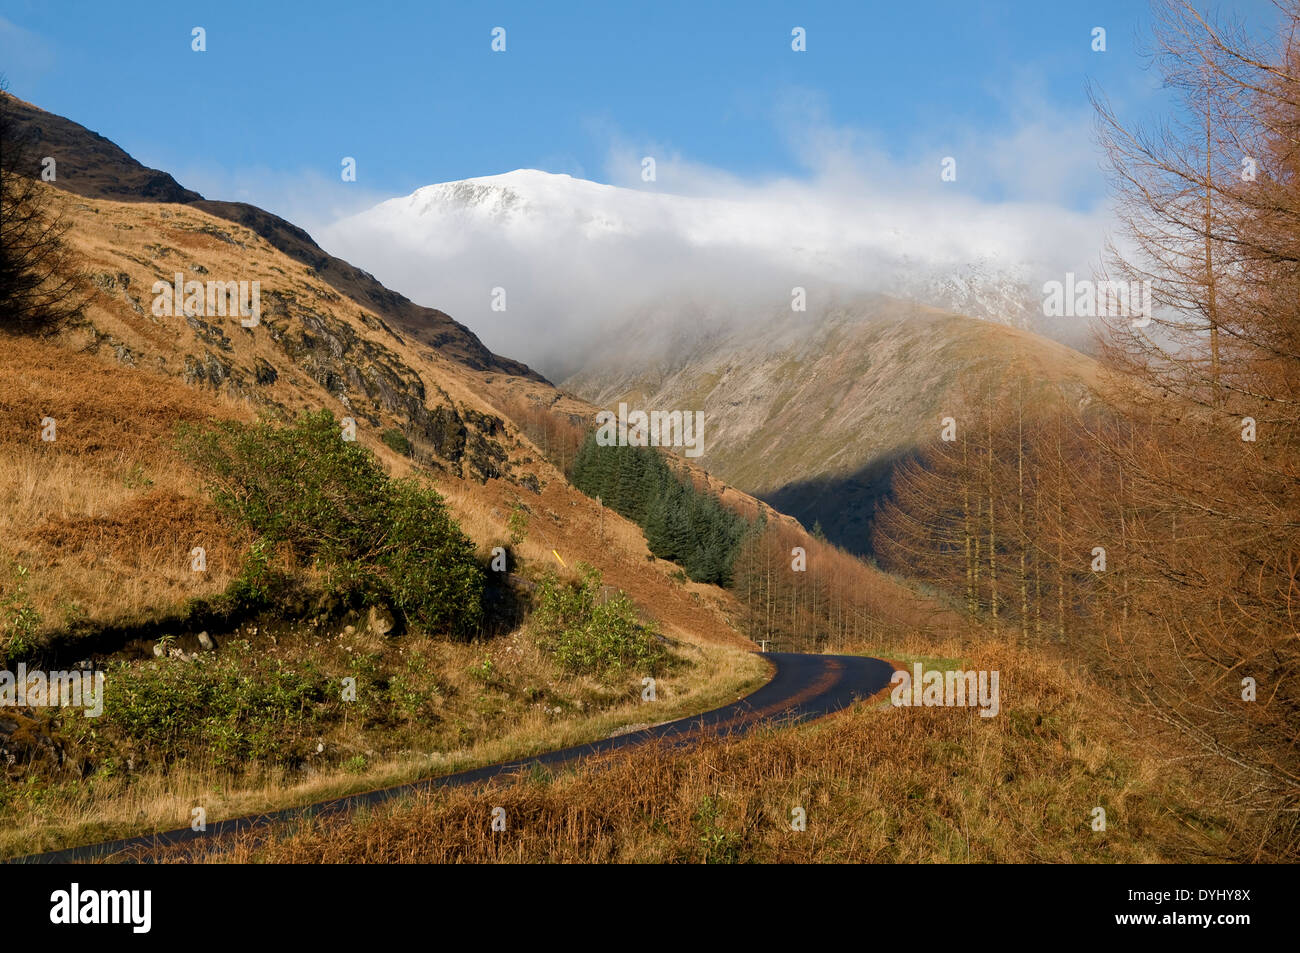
(681, 524)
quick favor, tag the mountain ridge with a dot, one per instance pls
(581, 257)
(92, 166)
(811, 413)
(316, 347)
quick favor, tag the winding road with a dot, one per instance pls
(803, 687)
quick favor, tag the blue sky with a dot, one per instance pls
(414, 92)
(845, 138)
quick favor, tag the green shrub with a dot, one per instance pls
(226, 709)
(427, 563)
(718, 845)
(329, 501)
(396, 441)
(19, 620)
(517, 523)
(589, 635)
(484, 671)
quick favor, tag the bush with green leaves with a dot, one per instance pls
(331, 503)
(19, 620)
(589, 634)
(227, 709)
(396, 441)
(517, 523)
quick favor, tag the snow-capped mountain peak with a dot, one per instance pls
(505, 252)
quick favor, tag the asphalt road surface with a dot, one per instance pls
(804, 687)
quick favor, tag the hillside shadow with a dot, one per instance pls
(844, 505)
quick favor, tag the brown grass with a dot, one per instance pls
(879, 784)
(473, 724)
(104, 516)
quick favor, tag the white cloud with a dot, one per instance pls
(579, 260)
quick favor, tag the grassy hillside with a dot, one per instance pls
(876, 783)
(105, 515)
(812, 412)
(93, 166)
(97, 557)
(224, 685)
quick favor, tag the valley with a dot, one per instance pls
(725, 483)
(107, 515)
(812, 413)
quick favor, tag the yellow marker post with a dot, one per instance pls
(557, 557)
